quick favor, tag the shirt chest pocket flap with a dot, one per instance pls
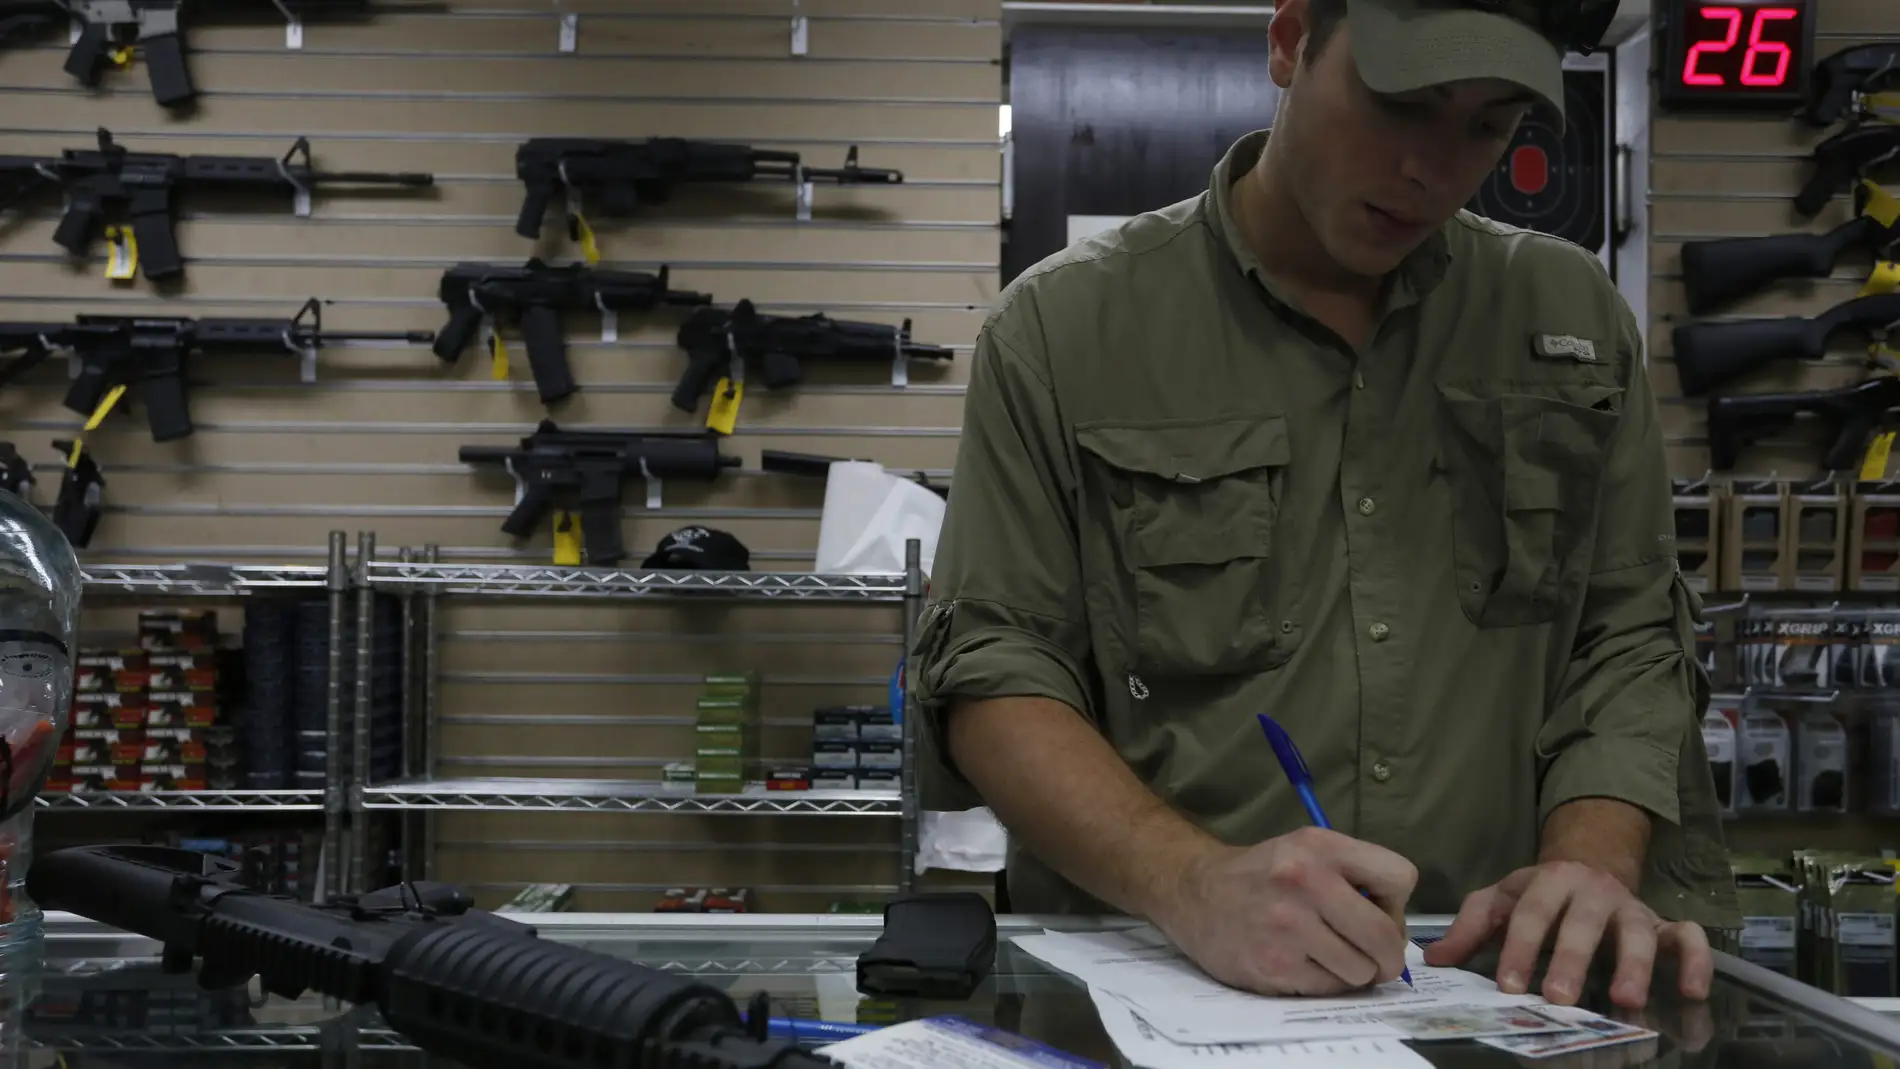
(1525, 470)
(1181, 517)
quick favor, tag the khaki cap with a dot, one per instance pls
(1402, 45)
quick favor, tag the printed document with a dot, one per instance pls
(1143, 1046)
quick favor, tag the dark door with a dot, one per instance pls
(1119, 122)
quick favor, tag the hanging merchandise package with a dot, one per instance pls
(869, 515)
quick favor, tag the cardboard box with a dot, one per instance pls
(178, 629)
(178, 709)
(184, 672)
(1757, 538)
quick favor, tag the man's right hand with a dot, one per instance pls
(1286, 917)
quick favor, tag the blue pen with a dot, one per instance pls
(1302, 779)
(800, 1030)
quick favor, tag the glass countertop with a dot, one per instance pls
(104, 1003)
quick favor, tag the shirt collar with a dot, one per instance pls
(1418, 274)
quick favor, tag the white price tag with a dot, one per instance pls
(900, 366)
(78, 30)
(301, 204)
(293, 34)
(801, 35)
(653, 491)
(308, 369)
(609, 325)
(120, 263)
(805, 196)
(570, 32)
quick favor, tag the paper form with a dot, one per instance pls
(1147, 1048)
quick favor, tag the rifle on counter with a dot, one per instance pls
(582, 471)
(1853, 153)
(813, 466)
(1715, 273)
(76, 511)
(15, 473)
(714, 338)
(1711, 354)
(466, 986)
(535, 295)
(152, 352)
(144, 186)
(1852, 414)
(619, 176)
(1840, 80)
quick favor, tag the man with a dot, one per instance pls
(1321, 445)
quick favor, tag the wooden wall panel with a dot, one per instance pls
(1724, 176)
(569, 690)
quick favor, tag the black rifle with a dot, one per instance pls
(1714, 273)
(76, 512)
(716, 337)
(15, 473)
(1846, 75)
(1852, 414)
(535, 295)
(619, 176)
(813, 466)
(106, 25)
(582, 471)
(1853, 153)
(151, 351)
(31, 16)
(1710, 354)
(144, 187)
(464, 985)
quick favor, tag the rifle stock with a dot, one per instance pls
(1716, 273)
(1852, 414)
(1711, 354)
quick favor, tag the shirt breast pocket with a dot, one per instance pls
(1180, 524)
(1525, 470)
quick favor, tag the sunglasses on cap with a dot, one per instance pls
(1573, 25)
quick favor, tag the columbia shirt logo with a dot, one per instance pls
(1553, 346)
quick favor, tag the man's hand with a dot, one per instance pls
(1580, 905)
(1286, 917)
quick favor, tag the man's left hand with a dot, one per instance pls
(1580, 905)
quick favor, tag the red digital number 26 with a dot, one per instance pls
(1757, 48)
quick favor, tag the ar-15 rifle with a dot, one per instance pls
(716, 337)
(15, 473)
(813, 466)
(1853, 153)
(621, 175)
(1853, 414)
(583, 471)
(536, 295)
(1840, 79)
(144, 186)
(466, 986)
(151, 351)
(76, 511)
(1710, 354)
(1715, 273)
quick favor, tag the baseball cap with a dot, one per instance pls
(1403, 45)
(700, 549)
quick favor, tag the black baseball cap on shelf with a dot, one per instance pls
(700, 549)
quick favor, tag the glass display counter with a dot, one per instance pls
(103, 1002)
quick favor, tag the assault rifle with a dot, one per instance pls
(1844, 77)
(464, 985)
(76, 511)
(1851, 414)
(151, 351)
(714, 338)
(1710, 354)
(1853, 153)
(535, 295)
(582, 471)
(15, 473)
(1715, 273)
(143, 186)
(619, 176)
(813, 466)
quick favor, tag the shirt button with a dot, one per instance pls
(1366, 506)
(1381, 771)
(1378, 632)
(1358, 381)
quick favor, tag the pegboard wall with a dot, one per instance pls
(453, 87)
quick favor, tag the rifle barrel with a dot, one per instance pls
(411, 179)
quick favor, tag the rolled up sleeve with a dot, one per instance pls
(1630, 692)
(1005, 618)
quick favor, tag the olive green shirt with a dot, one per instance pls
(1444, 562)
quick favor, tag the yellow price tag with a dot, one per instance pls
(1882, 206)
(72, 458)
(1874, 468)
(567, 538)
(1884, 279)
(105, 407)
(498, 357)
(122, 264)
(590, 247)
(723, 416)
(120, 57)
